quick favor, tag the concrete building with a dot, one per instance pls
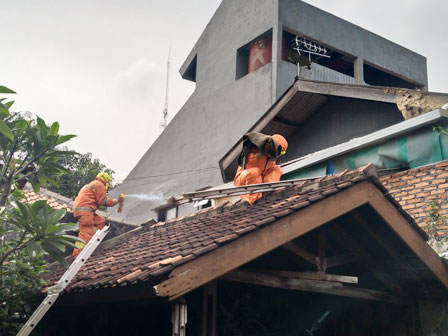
(242, 63)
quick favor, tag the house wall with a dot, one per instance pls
(350, 39)
(221, 109)
(415, 190)
(339, 120)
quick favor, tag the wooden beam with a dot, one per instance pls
(299, 250)
(408, 234)
(315, 286)
(286, 121)
(233, 153)
(209, 303)
(321, 247)
(311, 276)
(387, 246)
(368, 262)
(348, 90)
(238, 252)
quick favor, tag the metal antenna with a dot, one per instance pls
(165, 108)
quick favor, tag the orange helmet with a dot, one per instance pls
(280, 140)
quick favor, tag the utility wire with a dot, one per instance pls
(189, 172)
(169, 174)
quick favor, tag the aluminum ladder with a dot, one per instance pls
(54, 291)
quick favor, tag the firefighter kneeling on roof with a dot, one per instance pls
(257, 161)
(89, 198)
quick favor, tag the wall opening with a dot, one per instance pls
(254, 55)
(316, 53)
(375, 76)
(166, 214)
(190, 74)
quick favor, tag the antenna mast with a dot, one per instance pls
(165, 108)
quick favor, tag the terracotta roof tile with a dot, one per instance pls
(54, 200)
(156, 249)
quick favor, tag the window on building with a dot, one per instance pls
(314, 52)
(190, 73)
(254, 55)
(166, 214)
(202, 204)
(375, 76)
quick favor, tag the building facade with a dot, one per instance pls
(242, 63)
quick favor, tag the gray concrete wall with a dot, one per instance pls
(351, 39)
(221, 109)
(339, 120)
(233, 26)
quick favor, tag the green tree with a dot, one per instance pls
(28, 152)
(80, 170)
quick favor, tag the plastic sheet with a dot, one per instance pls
(426, 146)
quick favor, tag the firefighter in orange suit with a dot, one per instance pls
(89, 198)
(257, 162)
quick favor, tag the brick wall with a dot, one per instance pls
(415, 189)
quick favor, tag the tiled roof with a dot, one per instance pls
(416, 189)
(54, 200)
(153, 250)
(57, 201)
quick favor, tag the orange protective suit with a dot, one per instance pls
(259, 169)
(89, 198)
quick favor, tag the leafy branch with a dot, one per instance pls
(434, 221)
(29, 152)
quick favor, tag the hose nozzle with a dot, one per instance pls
(121, 202)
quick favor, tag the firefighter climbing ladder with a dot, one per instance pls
(54, 291)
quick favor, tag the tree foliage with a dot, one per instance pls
(28, 152)
(80, 170)
(434, 221)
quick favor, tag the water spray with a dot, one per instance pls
(147, 197)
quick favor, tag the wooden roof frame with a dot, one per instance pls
(227, 258)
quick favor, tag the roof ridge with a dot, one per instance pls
(364, 172)
(49, 193)
(359, 174)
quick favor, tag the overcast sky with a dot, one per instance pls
(99, 67)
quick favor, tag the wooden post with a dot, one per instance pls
(321, 243)
(209, 309)
(179, 317)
